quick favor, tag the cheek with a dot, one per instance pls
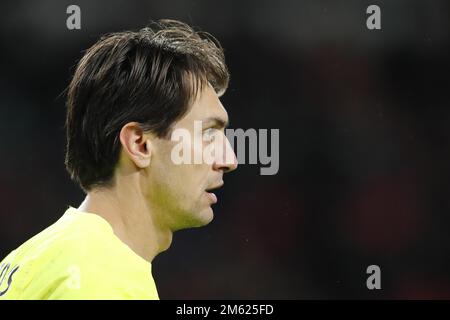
(193, 177)
(185, 182)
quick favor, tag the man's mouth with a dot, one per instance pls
(211, 195)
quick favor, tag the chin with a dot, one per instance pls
(197, 220)
(204, 217)
(209, 215)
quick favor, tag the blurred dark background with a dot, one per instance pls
(364, 143)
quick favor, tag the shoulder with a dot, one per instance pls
(44, 261)
(78, 259)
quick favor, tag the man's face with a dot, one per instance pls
(182, 193)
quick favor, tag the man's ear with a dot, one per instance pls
(136, 144)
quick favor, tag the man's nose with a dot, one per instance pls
(226, 161)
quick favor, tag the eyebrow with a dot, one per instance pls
(219, 122)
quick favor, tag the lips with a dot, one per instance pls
(211, 195)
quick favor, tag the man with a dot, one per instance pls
(130, 91)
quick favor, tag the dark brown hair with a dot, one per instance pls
(150, 76)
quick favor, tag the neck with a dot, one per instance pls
(131, 219)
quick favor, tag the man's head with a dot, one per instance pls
(128, 94)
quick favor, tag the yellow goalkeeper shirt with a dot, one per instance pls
(78, 257)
